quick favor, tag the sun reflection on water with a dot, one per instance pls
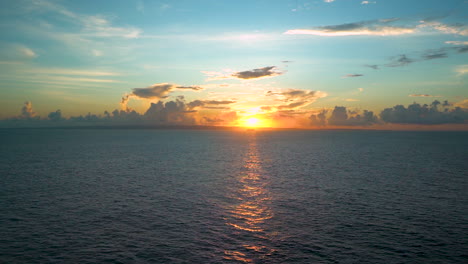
(249, 216)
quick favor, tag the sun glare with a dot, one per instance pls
(252, 122)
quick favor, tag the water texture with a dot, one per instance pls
(189, 196)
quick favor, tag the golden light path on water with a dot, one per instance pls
(248, 217)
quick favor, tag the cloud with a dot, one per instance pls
(319, 119)
(172, 112)
(328, 1)
(434, 54)
(361, 90)
(27, 111)
(352, 75)
(399, 61)
(156, 91)
(423, 95)
(462, 104)
(368, 2)
(424, 114)
(340, 117)
(55, 116)
(264, 72)
(351, 100)
(91, 25)
(292, 105)
(462, 69)
(458, 43)
(372, 66)
(295, 98)
(16, 52)
(454, 29)
(257, 73)
(192, 87)
(204, 103)
(364, 28)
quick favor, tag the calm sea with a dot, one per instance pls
(190, 196)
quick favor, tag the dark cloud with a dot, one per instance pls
(319, 119)
(292, 105)
(461, 49)
(380, 27)
(434, 54)
(257, 73)
(203, 103)
(340, 117)
(353, 75)
(170, 113)
(192, 87)
(55, 116)
(155, 91)
(372, 66)
(399, 61)
(424, 114)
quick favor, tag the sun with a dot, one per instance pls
(252, 122)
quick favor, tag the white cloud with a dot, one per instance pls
(458, 43)
(368, 2)
(379, 31)
(456, 29)
(462, 69)
(27, 52)
(329, 1)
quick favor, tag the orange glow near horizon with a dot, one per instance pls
(254, 121)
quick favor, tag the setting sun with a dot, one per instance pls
(252, 122)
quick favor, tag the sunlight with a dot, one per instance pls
(252, 122)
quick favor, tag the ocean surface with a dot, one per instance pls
(201, 196)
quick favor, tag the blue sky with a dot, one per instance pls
(85, 56)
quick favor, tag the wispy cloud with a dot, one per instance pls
(91, 25)
(352, 75)
(398, 61)
(458, 43)
(295, 98)
(454, 29)
(368, 2)
(380, 27)
(423, 95)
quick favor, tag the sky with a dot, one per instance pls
(270, 63)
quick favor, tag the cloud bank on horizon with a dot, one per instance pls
(325, 63)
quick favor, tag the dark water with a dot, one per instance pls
(175, 196)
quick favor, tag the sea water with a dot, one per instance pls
(201, 196)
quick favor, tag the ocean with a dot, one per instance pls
(205, 196)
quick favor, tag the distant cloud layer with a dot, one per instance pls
(424, 114)
(434, 114)
(180, 112)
